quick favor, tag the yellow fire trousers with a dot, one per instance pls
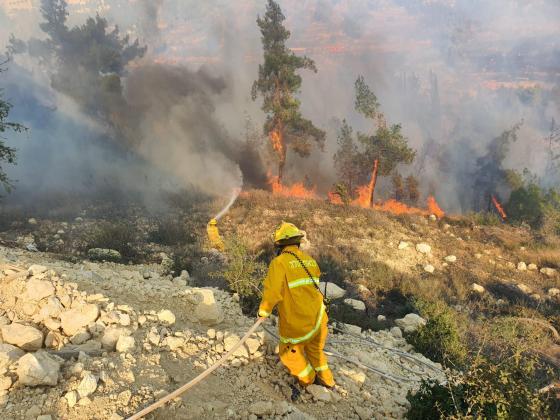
(307, 360)
(214, 237)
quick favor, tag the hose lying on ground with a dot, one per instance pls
(329, 352)
(199, 378)
(399, 352)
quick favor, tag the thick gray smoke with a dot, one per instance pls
(455, 73)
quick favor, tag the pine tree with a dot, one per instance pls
(278, 84)
(398, 186)
(7, 154)
(346, 158)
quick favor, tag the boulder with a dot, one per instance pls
(553, 292)
(532, 267)
(71, 398)
(75, 319)
(450, 259)
(253, 345)
(39, 289)
(9, 354)
(319, 393)
(36, 369)
(88, 385)
(230, 340)
(356, 304)
(37, 269)
(174, 343)
(549, 272)
(331, 290)
(102, 254)
(477, 288)
(411, 322)
(23, 336)
(111, 336)
(381, 318)
(522, 266)
(429, 268)
(396, 332)
(166, 317)
(423, 248)
(208, 311)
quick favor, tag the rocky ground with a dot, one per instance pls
(102, 340)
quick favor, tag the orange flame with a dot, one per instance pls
(434, 208)
(296, 190)
(334, 198)
(276, 140)
(499, 207)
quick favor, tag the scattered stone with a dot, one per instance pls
(39, 289)
(532, 267)
(44, 417)
(230, 341)
(522, 266)
(111, 336)
(80, 337)
(174, 343)
(477, 288)
(429, 268)
(102, 254)
(40, 368)
(88, 385)
(23, 336)
(396, 332)
(432, 218)
(358, 305)
(208, 311)
(403, 245)
(524, 288)
(553, 291)
(32, 221)
(363, 413)
(253, 345)
(75, 319)
(450, 259)
(549, 272)
(5, 383)
(33, 411)
(331, 290)
(166, 317)
(211, 333)
(410, 322)
(36, 269)
(423, 248)
(9, 354)
(125, 344)
(381, 318)
(319, 393)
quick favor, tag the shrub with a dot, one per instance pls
(439, 339)
(243, 272)
(171, 232)
(118, 236)
(490, 389)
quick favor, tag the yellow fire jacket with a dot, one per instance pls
(214, 237)
(300, 304)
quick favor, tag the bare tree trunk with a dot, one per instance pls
(373, 181)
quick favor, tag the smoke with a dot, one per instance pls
(455, 73)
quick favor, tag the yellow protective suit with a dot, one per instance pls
(302, 316)
(214, 235)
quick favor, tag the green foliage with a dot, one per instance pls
(489, 389)
(346, 158)
(485, 218)
(439, 339)
(244, 272)
(366, 102)
(278, 83)
(389, 145)
(7, 154)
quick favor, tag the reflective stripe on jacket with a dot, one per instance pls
(300, 304)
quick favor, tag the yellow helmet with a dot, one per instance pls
(287, 231)
(213, 222)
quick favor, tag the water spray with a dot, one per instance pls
(235, 193)
(214, 237)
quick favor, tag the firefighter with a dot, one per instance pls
(214, 235)
(292, 285)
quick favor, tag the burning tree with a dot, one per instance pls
(7, 154)
(387, 147)
(412, 190)
(491, 177)
(278, 84)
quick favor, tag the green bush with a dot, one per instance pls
(243, 272)
(487, 390)
(439, 339)
(485, 219)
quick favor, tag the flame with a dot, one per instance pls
(334, 198)
(434, 208)
(276, 140)
(499, 207)
(364, 195)
(296, 190)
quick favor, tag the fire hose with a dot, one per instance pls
(199, 378)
